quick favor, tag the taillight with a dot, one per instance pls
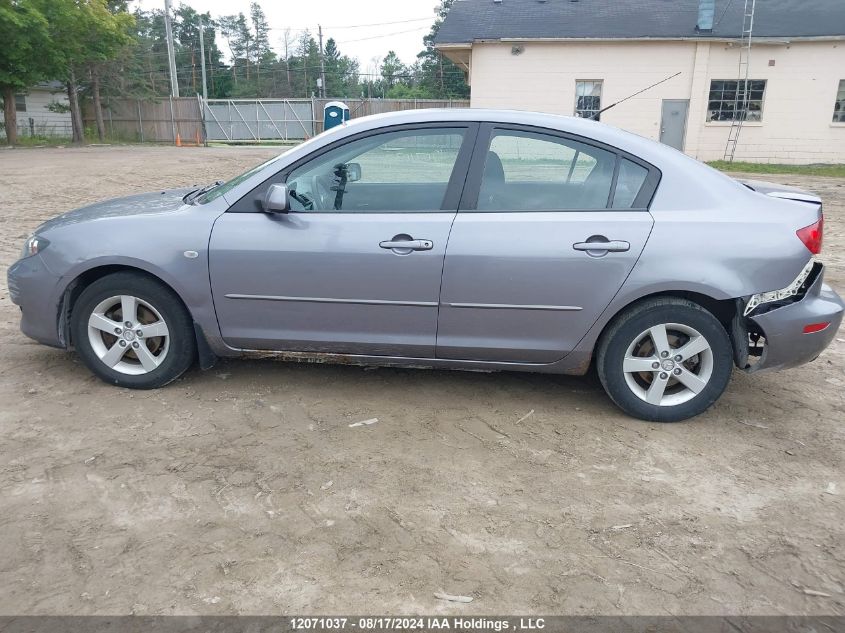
(812, 236)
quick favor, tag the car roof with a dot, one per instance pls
(637, 145)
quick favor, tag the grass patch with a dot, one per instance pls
(40, 141)
(834, 171)
(273, 143)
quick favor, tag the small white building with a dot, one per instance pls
(575, 57)
(34, 114)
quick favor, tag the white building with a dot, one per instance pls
(34, 114)
(575, 57)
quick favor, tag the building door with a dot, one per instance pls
(673, 124)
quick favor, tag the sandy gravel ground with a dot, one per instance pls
(244, 489)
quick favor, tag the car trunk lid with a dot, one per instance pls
(784, 192)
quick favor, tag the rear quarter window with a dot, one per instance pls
(629, 183)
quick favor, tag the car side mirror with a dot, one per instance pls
(276, 200)
(353, 172)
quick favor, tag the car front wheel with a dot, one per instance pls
(133, 331)
(665, 360)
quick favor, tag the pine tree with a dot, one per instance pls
(392, 69)
(439, 77)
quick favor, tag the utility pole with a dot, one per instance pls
(202, 58)
(168, 29)
(322, 64)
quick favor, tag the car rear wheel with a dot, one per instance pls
(133, 331)
(665, 360)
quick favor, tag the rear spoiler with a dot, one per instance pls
(781, 191)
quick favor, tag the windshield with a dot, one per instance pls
(219, 190)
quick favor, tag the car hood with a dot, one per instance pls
(781, 191)
(141, 204)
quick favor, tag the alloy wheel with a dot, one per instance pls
(668, 364)
(128, 335)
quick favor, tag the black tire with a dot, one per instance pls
(628, 327)
(181, 351)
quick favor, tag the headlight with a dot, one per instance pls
(34, 245)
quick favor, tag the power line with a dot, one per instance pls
(376, 37)
(352, 26)
(187, 71)
(727, 6)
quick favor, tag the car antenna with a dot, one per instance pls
(595, 117)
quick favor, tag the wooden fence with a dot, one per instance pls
(160, 121)
(143, 121)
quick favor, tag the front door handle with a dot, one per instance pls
(407, 245)
(604, 246)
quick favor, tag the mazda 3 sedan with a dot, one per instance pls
(463, 239)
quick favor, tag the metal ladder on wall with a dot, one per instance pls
(741, 99)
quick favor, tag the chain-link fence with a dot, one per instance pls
(256, 120)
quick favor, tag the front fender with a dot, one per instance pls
(172, 247)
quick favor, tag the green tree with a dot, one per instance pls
(341, 72)
(143, 72)
(26, 56)
(263, 57)
(240, 39)
(304, 65)
(438, 77)
(110, 34)
(261, 51)
(186, 36)
(392, 70)
(83, 32)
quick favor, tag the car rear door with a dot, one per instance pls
(355, 267)
(548, 230)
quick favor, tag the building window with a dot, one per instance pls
(588, 99)
(726, 97)
(839, 107)
(20, 103)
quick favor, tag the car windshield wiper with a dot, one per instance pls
(196, 194)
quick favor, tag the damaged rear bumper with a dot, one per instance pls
(777, 331)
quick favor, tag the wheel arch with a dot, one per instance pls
(725, 310)
(94, 273)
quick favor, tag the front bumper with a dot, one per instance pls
(786, 344)
(33, 287)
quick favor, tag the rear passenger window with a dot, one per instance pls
(630, 181)
(527, 171)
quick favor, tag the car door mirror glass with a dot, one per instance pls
(353, 172)
(276, 199)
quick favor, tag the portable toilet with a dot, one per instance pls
(334, 114)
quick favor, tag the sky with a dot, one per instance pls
(362, 28)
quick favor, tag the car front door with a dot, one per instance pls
(355, 266)
(549, 228)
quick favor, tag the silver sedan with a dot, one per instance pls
(464, 239)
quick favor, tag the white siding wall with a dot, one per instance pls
(797, 124)
(797, 115)
(45, 122)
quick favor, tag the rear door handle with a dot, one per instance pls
(407, 245)
(613, 246)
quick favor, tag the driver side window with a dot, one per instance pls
(407, 170)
